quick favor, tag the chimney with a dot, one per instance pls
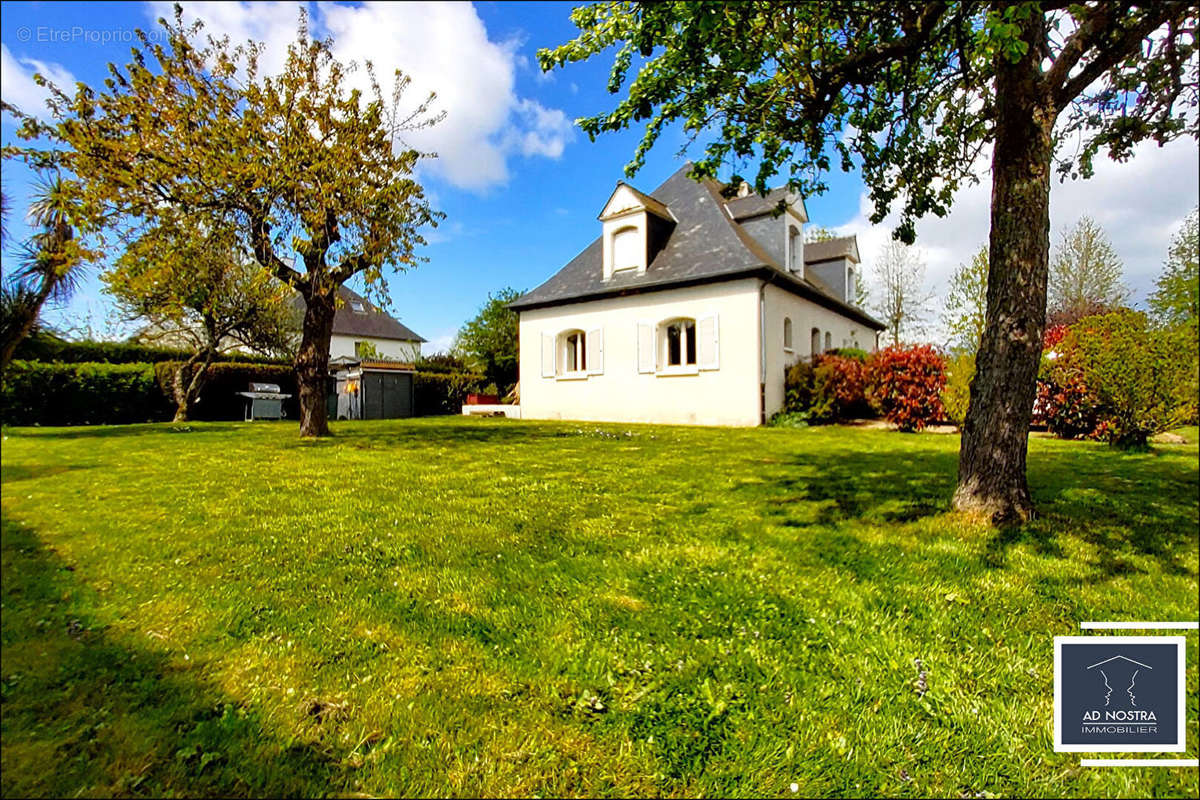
(744, 189)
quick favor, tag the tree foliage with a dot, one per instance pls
(1085, 274)
(1176, 296)
(193, 286)
(311, 171)
(965, 311)
(489, 341)
(50, 263)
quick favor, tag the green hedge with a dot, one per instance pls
(36, 393)
(90, 393)
(43, 348)
(445, 392)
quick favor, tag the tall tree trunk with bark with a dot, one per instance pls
(312, 361)
(991, 466)
(185, 395)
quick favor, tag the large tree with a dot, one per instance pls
(191, 283)
(898, 291)
(1085, 274)
(912, 94)
(965, 311)
(1176, 297)
(489, 340)
(314, 173)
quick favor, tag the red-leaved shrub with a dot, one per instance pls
(839, 388)
(905, 384)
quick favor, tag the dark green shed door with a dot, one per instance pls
(387, 395)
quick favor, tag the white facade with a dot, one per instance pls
(390, 349)
(627, 378)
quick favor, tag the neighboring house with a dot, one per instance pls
(688, 308)
(361, 330)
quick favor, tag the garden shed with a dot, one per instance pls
(371, 389)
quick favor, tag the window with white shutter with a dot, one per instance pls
(647, 361)
(547, 356)
(708, 342)
(595, 351)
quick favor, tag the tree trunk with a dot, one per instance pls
(186, 395)
(991, 466)
(312, 361)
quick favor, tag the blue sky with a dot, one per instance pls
(520, 187)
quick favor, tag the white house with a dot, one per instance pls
(687, 309)
(362, 330)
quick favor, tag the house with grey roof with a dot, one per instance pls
(688, 308)
(362, 330)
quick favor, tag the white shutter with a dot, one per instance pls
(595, 352)
(547, 356)
(646, 358)
(708, 342)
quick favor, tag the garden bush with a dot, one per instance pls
(839, 389)
(960, 370)
(905, 385)
(445, 392)
(1064, 405)
(37, 393)
(1144, 380)
(53, 349)
(798, 388)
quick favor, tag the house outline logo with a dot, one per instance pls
(1132, 681)
(1119, 694)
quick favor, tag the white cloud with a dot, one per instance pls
(17, 85)
(1140, 203)
(440, 343)
(443, 47)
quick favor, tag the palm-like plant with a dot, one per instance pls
(50, 265)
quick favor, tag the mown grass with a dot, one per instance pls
(479, 607)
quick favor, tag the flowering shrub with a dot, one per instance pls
(798, 388)
(1053, 335)
(905, 385)
(1064, 404)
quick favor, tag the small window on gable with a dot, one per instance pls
(678, 338)
(625, 249)
(787, 334)
(358, 307)
(572, 352)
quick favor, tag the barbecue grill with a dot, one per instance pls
(264, 401)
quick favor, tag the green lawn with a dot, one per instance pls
(482, 607)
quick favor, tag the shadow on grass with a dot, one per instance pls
(23, 472)
(84, 714)
(1125, 511)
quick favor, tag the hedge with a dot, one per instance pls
(445, 392)
(44, 348)
(219, 398)
(35, 393)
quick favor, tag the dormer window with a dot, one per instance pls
(626, 243)
(358, 307)
(635, 227)
(795, 251)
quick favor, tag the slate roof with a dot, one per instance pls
(755, 205)
(705, 246)
(373, 324)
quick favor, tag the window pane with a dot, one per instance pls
(690, 330)
(581, 349)
(673, 348)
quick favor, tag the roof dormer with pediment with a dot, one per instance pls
(635, 227)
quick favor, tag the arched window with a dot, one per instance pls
(828, 342)
(678, 337)
(625, 249)
(815, 347)
(787, 334)
(572, 352)
(851, 289)
(793, 249)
